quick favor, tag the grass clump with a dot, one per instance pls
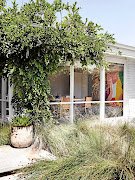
(4, 134)
(87, 150)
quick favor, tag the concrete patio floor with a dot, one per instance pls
(16, 158)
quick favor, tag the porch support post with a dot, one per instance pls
(10, 91)
(3, 109)
(71, 93)
(102, 94)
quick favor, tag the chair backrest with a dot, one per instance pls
(65, 99)
(88, 105)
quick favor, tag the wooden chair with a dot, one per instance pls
(65, 99)
(88, 105)
(64, 107)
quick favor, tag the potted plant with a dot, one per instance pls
(21, 131)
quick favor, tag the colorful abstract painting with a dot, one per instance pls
(114, 87)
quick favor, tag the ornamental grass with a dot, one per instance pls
(87, 150)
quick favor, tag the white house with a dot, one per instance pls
(111, 92)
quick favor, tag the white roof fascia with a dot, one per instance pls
(120, 56)
(123, 46)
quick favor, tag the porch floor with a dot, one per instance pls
(16, 158)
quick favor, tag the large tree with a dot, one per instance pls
(33, 43)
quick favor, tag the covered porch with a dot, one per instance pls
(84, 92)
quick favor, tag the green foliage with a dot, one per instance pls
(87, 150)
(2, 4)
(21, 121)
(4, 134)
(33, 44)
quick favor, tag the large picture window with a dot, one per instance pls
(86, 93)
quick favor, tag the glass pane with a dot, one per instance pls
(86, 111)
(7, 104)
(7, 108)
(114, 82)
(114, 90)
(60, 84)
(114, 109)
(60, 90)
(7, 112)
(60, 112)
(86, 84)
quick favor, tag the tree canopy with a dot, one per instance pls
(33, 43)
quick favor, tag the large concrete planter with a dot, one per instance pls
(21, 137)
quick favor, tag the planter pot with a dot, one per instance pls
(21, 137)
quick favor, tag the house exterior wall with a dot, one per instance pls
(131, 88)
(128, 59)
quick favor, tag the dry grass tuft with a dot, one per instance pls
(87, 150)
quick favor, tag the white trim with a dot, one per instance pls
(10, 92)
(79, 102)
(71, 93)
(3, 105)
(114, 101)
(102, 94)
(119, 56)
(125, 92)
(123, 46)
(115, 120)
(4, 100)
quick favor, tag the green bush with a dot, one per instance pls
(4, 134)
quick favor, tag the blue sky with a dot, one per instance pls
(115, 16)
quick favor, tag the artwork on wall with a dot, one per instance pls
(114, 87)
